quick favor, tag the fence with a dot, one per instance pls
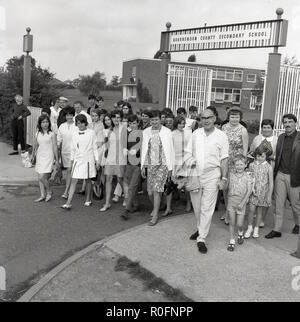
(32, 124)
(188, 86)
(288, 100)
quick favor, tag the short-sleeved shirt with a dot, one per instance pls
(209, 151)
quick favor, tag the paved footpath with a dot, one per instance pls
(259, 270)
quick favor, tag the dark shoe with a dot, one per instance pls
(125, 215)
(80, 193)
(296, 254)
(202, 248)
(273, 234)
(296, 230)
(194, 236)
(135, 209)
(231, 247)
(240, 239)
(14, 153)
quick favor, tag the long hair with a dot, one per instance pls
(112, 123)
(40, 120)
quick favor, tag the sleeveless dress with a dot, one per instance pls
(235, 139)
(45, 153)
(261, 183)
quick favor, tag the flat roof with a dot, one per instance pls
(198, 63)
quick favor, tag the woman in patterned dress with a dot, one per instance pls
(238, 142)
(261, 196)
(158, 158)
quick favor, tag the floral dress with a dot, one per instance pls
(157, 166)
(261, 183)
(235, 138)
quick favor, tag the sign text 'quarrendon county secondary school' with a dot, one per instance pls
(247, 35)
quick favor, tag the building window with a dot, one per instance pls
(213, 94)
(214, 74)
(133, 71)
(220, 74)
(238, 75)
(219, 96)
(251, 78)
(229, 75)
(236, 96)
(228, 95)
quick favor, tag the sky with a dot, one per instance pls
(79, 37)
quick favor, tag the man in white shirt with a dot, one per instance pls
(79, 109)
(207, 153)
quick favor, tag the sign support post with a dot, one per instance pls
(166, 59)
(272, 80)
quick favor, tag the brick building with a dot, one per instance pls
(228, 86)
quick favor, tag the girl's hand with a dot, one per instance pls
(269, 199)
(240, 207)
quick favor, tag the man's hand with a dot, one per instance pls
(20, 118)
(170, 174)
(98, 165)
(193, 164)
(222, 184)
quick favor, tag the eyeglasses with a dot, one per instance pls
(206, 118)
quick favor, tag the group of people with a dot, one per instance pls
(200, 154)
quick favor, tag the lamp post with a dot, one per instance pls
(27, 48)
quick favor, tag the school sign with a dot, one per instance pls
(259, 34)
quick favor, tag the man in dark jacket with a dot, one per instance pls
(19, 112)
(287, 175)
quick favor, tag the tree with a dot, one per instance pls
(11, 83)
(92, 84)
(115, 81)
(192, 58)
(291, 61)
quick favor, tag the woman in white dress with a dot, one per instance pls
(64, 140)
(115, 158)
(84, 159)
(46, 155)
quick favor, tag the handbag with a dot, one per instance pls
(193, 181)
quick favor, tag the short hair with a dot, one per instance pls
(46, 110)
(18, 95)
(69, 110)
(240, 157)
(82, 119)
(181, 110)
(100, 99)
(120, 103)
(178, 120)
(167, 110)
(289, 117)
(214, 110)
(193, 109)
(132, 118)
(267, 122)
(99, 111)
(104, 124)
(235, 111)
(263, 149)
(39, 124)
(79, 103)
(116, 112)
(170, 116)
(146, 112)
(92, 97)
(155, 113)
